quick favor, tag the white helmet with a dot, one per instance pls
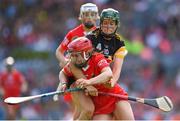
(88, 7)
(9, 61)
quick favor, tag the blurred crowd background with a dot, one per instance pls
(31, 30)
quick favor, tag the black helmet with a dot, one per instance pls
(110, 13)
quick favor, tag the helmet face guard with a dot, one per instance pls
(80, 50)
(109, 14)
(79, 59)
(89, 15)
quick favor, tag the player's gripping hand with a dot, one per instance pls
(82, 83)
(62, 88)
(110, 84)
(91, 90)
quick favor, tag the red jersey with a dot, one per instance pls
(11, 83)
(71, 35)
(103, 104)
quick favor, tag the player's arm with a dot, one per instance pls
(60, 56)
(22, 81)
(103, 77)
(1, 87)
(118, 62)
(62, 83)
(24, 86)
(60, 51)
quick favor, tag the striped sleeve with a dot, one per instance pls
(121, 52)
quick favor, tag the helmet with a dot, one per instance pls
(88, 7)
(80, 50)
(9, 61)
(110, 13)
(89, 15)
(81, 44)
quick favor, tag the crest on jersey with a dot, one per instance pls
(101, 62)
(106, 51)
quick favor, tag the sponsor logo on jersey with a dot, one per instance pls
(101, 62)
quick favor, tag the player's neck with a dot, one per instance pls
(87, 29)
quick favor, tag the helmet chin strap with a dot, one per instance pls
(86, 58)
(85, 63)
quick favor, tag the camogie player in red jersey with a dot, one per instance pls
(98, 72)
(12, 84)
(88, 16)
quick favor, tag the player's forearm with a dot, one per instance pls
(1, 91)
(105, 76)
(63, 80)
(117, 67)
(118, 62)
(62, 77)
(60, 57)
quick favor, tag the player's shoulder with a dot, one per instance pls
(98, 56)
(66, 69)
(118, 37)
(78, 28)
(94, 32)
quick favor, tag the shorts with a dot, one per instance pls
(106, 104)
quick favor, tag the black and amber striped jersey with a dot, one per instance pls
(109, 47)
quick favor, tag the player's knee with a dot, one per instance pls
(89, 111)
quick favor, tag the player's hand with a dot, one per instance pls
(91, 90)
(1, 91)
(63, 87)
(82, 83)
(113, 82)
(110, 84)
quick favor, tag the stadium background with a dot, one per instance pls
(31, 30)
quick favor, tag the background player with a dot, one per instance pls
(88, 16)
(12, 84)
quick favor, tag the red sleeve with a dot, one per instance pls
(101, 62)
(65, 42)
(67, 70)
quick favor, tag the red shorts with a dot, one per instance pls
(106, 104)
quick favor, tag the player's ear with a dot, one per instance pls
(119, 24)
